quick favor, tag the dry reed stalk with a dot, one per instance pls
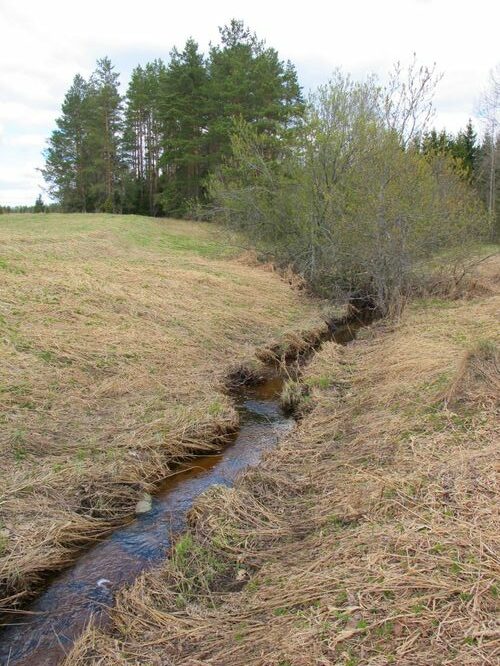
(116, 336)
(369, 537)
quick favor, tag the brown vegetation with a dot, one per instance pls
(369, 537)
(116, 335)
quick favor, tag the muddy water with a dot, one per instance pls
(59, 615)
(47, 629)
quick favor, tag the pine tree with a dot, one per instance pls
(105, 127)
(142, 138)
(133, 141)
(176, 129)
(82, 162)
(248, 81)
(67, 156)
(183, 109)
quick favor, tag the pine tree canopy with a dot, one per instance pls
(151, 151)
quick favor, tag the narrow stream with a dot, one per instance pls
(59, 615)
(47, 629)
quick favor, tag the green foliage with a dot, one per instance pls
(39, 206)
(345, 202)
(67, 157)
(141, 139)
(104, 130)
(248, 81)
(82, 162)
(184, 114)
(462, 148)
(195, 568)
(154, 156)
(475, 161)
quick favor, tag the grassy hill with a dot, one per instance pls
(116, 334)
(369, 537)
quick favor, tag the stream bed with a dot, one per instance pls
(47, 628)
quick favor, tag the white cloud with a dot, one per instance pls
(26, 114)
(43, 45)
(18, 176)
(20, 181)
(25, 140)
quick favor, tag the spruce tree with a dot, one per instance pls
(39, 206)
(469, 148)
(462, 147)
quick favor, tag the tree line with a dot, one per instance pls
(476, 159)
(151, 151)
(349, 187)
(38, 207)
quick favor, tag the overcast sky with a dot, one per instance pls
(43, 44)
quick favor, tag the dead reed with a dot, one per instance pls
(369, 537)
(116, 334)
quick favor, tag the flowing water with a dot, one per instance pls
(47, 629)
(43, 635)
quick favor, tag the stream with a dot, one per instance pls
(48, 627)
(59, 615)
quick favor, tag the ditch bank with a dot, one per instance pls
(44, 632)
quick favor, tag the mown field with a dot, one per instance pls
(116, 335)
(369, 537)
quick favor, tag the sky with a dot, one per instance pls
(44, 44)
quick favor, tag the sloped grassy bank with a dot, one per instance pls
(116, 337)
(369, 536)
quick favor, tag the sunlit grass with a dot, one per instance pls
(115, 336)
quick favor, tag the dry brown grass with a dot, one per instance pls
(369, 537)
(478, 378)
(116, 334)
(470, 278)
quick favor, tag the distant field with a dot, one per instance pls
(115, 335)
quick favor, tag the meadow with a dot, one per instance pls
(117, 334)
(370, 536)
